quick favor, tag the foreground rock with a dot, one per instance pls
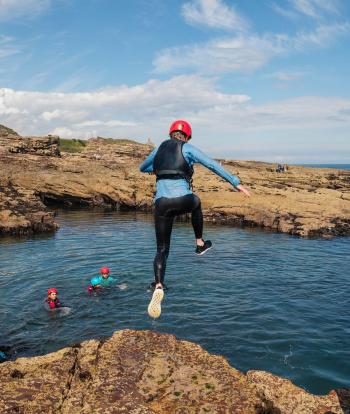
(306, 202)
(148, 372)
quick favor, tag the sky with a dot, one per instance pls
(257, 79)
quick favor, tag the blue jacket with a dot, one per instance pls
(180, 187)
(99, 280)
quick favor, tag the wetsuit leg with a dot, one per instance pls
(189, 204)
(165, 211)
(163, 227)
(197, 218)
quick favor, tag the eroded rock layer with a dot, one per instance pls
(22, 212)
(306, 202)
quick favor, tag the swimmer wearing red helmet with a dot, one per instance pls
(52, 299)
(101, 281)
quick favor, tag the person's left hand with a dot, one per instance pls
(243, 190)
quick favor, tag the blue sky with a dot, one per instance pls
(257, 79)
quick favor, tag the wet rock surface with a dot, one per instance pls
(149, 372)
(307, 202)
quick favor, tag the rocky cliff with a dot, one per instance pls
(306, 202)
(11, 142)
(136, 372)
(22, 212)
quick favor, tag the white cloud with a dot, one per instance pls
(303, 112)
(323, 36)
(283, 11)
(139, 108)
(49, 116)
(243, 53)
(247, 51)
(315, 8)
(10, 9)
(214, 14)
(224, 123)
(63, 132)
(7, 48)
(5, 39)
(7, 51)
(8, 110)
(63, 115)
(287, 76)
(111, 123)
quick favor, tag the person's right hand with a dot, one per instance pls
(243, 190)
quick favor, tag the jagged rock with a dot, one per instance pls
(148, 372)
(10, 141)
(22, 212)
(48, 145)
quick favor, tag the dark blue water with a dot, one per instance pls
(337, 166)
(265, 301)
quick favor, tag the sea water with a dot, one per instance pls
(336, 166)
(265, 301)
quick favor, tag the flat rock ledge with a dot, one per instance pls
(144, 372)
(305, 202)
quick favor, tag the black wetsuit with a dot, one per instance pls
(173, 161)
(169, 163)
(165, 211)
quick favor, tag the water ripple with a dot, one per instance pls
(265, 301)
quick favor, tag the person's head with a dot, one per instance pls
(180, 130)
(52, 293)
(104, 272)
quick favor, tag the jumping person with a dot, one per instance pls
(172, 162)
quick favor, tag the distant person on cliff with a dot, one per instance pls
(172, 163)
(101, 281)
(52, 301)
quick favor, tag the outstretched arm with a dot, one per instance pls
(243, 190)
(195, 155)
(147, 165)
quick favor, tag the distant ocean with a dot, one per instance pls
(337, 166)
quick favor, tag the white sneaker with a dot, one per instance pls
(154, 307)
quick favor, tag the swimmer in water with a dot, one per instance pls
(52, 299)
(101, 281)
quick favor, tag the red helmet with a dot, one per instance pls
(182, 126)
(51, 290)
(104, 270)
